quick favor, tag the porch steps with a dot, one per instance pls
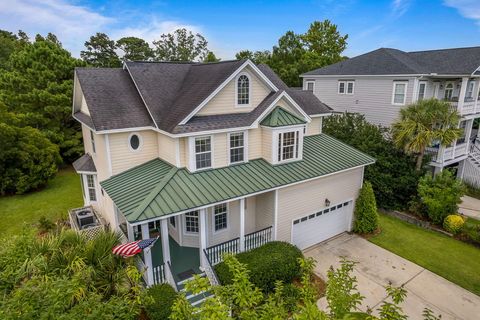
(194, 299)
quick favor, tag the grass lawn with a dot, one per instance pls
(62, 193)
(452, 259)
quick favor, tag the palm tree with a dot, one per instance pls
(424, 122)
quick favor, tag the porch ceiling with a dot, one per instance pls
(142, 193)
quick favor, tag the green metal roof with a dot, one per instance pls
(142, 193)
(280, 117)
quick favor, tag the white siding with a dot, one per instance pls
(306, 198)
(315, 126)
(372, 97)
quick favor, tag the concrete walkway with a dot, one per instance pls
(470, 207)
(378, 267)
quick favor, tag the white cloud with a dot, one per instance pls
(467, 8)
(74, 24)
(400, 7)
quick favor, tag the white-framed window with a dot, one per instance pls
(92, 140)
(470, 88)
(346, 87)
(173, 221)
(243, 90)
(310, 85)
(135, 141)
(220, 217)
(237, 142)
(203, 152)
(448, 94)
(191, 222)
(288, 144)
(399, 96)
(422, 88)
(91, 190)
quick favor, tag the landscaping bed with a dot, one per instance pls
(454, 260)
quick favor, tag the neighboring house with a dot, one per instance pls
(217, 157)
(380, 83)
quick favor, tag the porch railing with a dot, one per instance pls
(216, 252)
(159, 274)
(251, 241)
(258, 238)
(209, 271)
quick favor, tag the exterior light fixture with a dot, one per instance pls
(327, 202)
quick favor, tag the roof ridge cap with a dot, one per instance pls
(389, 52)
(146, 202)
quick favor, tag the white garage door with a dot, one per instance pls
(322, 225)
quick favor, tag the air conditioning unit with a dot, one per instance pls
(85, 218)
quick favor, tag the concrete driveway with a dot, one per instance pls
(378, 267)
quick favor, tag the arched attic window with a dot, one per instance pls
(243, 90)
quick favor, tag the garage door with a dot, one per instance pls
(322, 225)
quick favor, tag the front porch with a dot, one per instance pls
(193, 242)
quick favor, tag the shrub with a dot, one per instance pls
(366, 215)
(453, 223)
(269, 263)
(291, 294)
(393, 175)
(470, 232)
(45, 225)
(162, 298)
(440, 194)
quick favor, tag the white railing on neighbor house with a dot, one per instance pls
(469, 106)
(90, 232)
(251, 241)
(440, 155)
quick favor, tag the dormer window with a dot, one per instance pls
(243, 90)
(288, 145)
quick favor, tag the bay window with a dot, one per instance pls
(191, 222)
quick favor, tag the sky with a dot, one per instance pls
(231, 26)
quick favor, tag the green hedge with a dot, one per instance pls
(163, 298)
(267, 264)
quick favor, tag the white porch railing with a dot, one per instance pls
(440, 155)
(209, 271)
(251, 241)
(159, 274)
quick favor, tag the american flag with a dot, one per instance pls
(132, 248)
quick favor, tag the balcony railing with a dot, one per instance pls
(469, 106)
(159, 274)
(440, 155)
(258, 238)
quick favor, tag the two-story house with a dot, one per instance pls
(213, 157)
(380, 83)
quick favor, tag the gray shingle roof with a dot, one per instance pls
(168, 92)
(84, 164)
(459, 61)
(112, 99)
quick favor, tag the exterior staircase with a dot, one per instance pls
(471, 173)
(194, 299)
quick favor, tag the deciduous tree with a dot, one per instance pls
(181, 45)
(135, 49)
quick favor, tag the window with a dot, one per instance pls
(203, 152)
(220, 217)
(421, 90)
(350, 87)
(191, 222)
(448, 91)
(346, 87)
(135, 141)
(469, 94)
(173, 222)
(399, 93)
(154, 226)
(92, 139)
(237, 147)
(243, 90)
(341, 87)
(92, 194)
(288, 144)
(310, 85)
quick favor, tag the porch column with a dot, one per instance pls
(147, 255)
(476, 91)
(130, 234)
(275, 215)
(203, 236)
(463, 91)
(468, 132)
(165, 240)
(242, 224)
